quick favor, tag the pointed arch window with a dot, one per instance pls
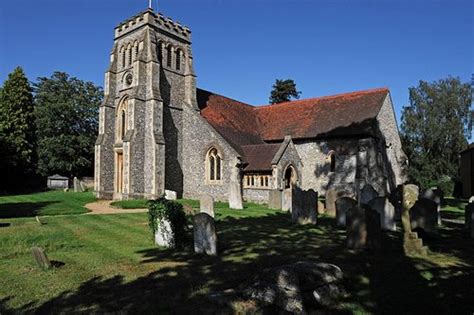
(178, 59)
(169, 56)
(332, 161)
(122, 120)
(123, 56)
(129, 55)
(214, 166)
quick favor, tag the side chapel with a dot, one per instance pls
(159, 132)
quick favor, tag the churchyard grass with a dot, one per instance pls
(54, 202)
(111, 264)
(453, 209)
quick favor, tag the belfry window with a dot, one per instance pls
(178, 59)
(214, 168)
(169, 56)
(332, 160)
(130, 55)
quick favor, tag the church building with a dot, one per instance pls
(159, 132)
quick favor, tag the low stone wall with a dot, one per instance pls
(256, 195)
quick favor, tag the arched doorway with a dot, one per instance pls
(289, 182)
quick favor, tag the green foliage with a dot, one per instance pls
(283, 91)
(434, 129)
(171, 211)
(67, 121)
(17, 133)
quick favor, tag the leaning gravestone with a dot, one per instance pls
(424, 215)
(164, 235)
(387, 212)
(374, 230)
(77, 185)
(435, 195)
(343, 204)
(367, 194)
(274, 199)
(356, 228)
(206, 205)
(303, 208)
(334, 193)
(205, 237)
(41, 258)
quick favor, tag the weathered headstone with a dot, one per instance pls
(424, 215)
(274, 199)
(205, 237)
(286, 200)
(77, 185)
(206, 205)
(471, 200)
(41, 258)
(164, 235)
(367, 194)
(235, 196)
(468, 212)
(58, 182)
(435, 195)
(334, 193)
(343, 204)
(321, 207)
(356, 227)
(411, 243)
(374, 230)
(171, 195)
(304, 203)
(387, 212)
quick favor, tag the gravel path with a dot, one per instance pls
(104, 207)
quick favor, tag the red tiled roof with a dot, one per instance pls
(316, 117)
(245, 126)
(259, 156)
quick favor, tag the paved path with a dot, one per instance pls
(104, 207)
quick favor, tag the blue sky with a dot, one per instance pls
(241, 46)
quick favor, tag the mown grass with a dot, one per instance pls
(44, 203)
(453, 209)
(111, 265)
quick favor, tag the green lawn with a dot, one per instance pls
(111, 265)
(454, 209)
(44, 203)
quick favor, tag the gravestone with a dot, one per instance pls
(334, 193)
(374, 230)
(343, 204)
(303, 208)
(205, 237)
(286, 200)
(424, 215)
(77, 185)
(435, 195)
(471, 200)
(356, 228)
(411, 243)
(472, 225)
(386, 211)
(321, 208)
(58, 182)
(274, 199)
(206, 205)
(468, 212)
(235, 196)
(41, 258)
(171, 195)
(367, 194)
(164, 235)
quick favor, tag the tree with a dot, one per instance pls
(435, 126)
(283, 91)
(17, 133)
(67, 121)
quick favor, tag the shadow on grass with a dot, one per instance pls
(383, 282)
(23, 209)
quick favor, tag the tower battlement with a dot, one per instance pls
(157, 20)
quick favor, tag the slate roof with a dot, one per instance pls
(259, 156)
(245, 126)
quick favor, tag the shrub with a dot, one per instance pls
(171, 211)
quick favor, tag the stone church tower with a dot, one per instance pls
(149, 82)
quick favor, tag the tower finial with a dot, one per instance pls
(149, 5)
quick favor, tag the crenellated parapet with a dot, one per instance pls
(158, 21)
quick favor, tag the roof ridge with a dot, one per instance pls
(229, 98)
(361, 92)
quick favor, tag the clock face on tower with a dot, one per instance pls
(128, 79)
